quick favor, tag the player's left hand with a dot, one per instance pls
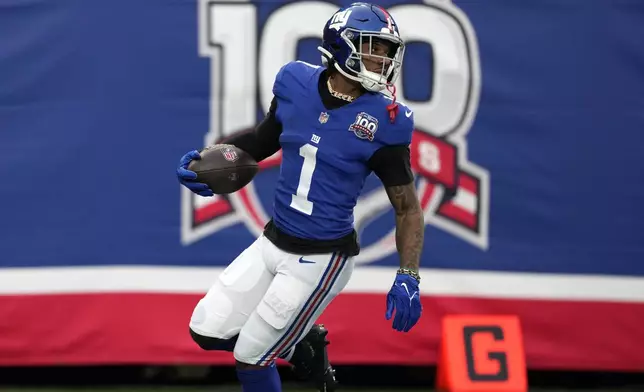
(187, 177)
(404, 297)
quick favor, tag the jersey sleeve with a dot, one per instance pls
(292, 79)
(392, 165)
(398, 132)
(404, 125)
(263, 141)
(280, 90)
(392, 162)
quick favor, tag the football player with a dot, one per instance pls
(335, 125)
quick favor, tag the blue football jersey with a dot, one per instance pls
(325, 152)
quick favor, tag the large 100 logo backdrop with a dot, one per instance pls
(248, 43)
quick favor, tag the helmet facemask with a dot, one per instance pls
(374, 71)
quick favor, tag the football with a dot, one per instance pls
(224, 168)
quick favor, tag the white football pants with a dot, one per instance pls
(271, 298)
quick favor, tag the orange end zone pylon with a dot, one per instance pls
(481, 353)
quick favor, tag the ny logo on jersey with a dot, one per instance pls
(340, 19)
(365, 126)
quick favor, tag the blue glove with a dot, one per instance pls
(404, 296)
(187, 177)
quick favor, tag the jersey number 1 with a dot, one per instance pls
(300, 200)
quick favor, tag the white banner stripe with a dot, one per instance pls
(197, 280)
(465, 200)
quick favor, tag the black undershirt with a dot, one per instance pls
(390, 163)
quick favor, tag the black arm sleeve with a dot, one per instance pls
(392, 165)
(264, 140)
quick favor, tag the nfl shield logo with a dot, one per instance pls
(229, 154)
(324, 117)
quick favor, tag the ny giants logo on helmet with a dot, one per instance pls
(453, 192)
(340, 19)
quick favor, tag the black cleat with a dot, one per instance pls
(311, 362)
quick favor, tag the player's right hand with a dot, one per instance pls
(187, 177)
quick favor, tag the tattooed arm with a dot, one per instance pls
(404, 296)
(410, 224)
(392, 165)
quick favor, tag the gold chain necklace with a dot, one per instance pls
(336, 94)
